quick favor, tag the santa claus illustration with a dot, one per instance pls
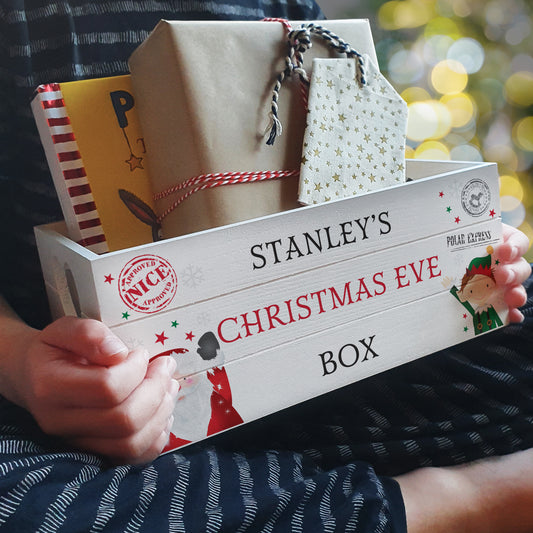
(204, 406)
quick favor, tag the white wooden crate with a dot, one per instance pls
(267, 313)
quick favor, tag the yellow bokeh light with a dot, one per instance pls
(449, 77)
(409, 152)
(519, 88)
(523, 134)
(433, 150)
(461, 107)
(444, 120)
(415, 94)
(411, 14)
(511, 192)
(503, 154)
(442, 26)
(421, 122)
(386, 15)
(404, 14)
(428, 119)
(509, 203)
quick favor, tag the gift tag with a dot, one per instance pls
(354, 140)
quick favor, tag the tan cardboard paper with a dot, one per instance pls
(203, 93)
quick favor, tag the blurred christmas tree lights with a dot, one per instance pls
(465, 69)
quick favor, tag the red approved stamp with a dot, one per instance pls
(147, 283)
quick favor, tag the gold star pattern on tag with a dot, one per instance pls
(354, 140)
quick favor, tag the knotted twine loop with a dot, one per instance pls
(299, 41)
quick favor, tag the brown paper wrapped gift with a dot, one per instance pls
(203, 92)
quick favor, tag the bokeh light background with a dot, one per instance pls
(465, 68)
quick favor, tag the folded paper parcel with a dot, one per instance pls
(203, 93)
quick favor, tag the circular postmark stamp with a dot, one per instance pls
(475, 197)
(147, 283)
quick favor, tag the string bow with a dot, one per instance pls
(299, 41)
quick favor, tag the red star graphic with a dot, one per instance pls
(189, 336)
(441, 194)
(465, 315)
(457, 220)
(108, 279)
(134, 162)
(492, 213)
(161, 338)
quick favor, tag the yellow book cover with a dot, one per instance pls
(95, 149)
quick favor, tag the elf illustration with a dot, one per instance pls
(204, 406)
(477, 292)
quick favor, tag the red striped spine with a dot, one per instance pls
(72, 168)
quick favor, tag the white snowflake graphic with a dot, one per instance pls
(192, 276)
(132, 343)
(203, 318)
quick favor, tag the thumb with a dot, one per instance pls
(90, 340)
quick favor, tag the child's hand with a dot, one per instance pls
(513, 270)
(80, 383)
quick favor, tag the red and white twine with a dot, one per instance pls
(218, 179)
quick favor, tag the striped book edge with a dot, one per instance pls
(68, 171)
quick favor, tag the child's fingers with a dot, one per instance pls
(157, 393)
(522, 270)
(515, 316)
(86, 339)
(85, 385)
(140, 447)
(123, 420)
(515, 296)
(512, 273)
(515, 244)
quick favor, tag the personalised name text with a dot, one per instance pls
(319, 240)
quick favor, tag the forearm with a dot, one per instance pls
(493, 495)
(80, 382)
(15, 336)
